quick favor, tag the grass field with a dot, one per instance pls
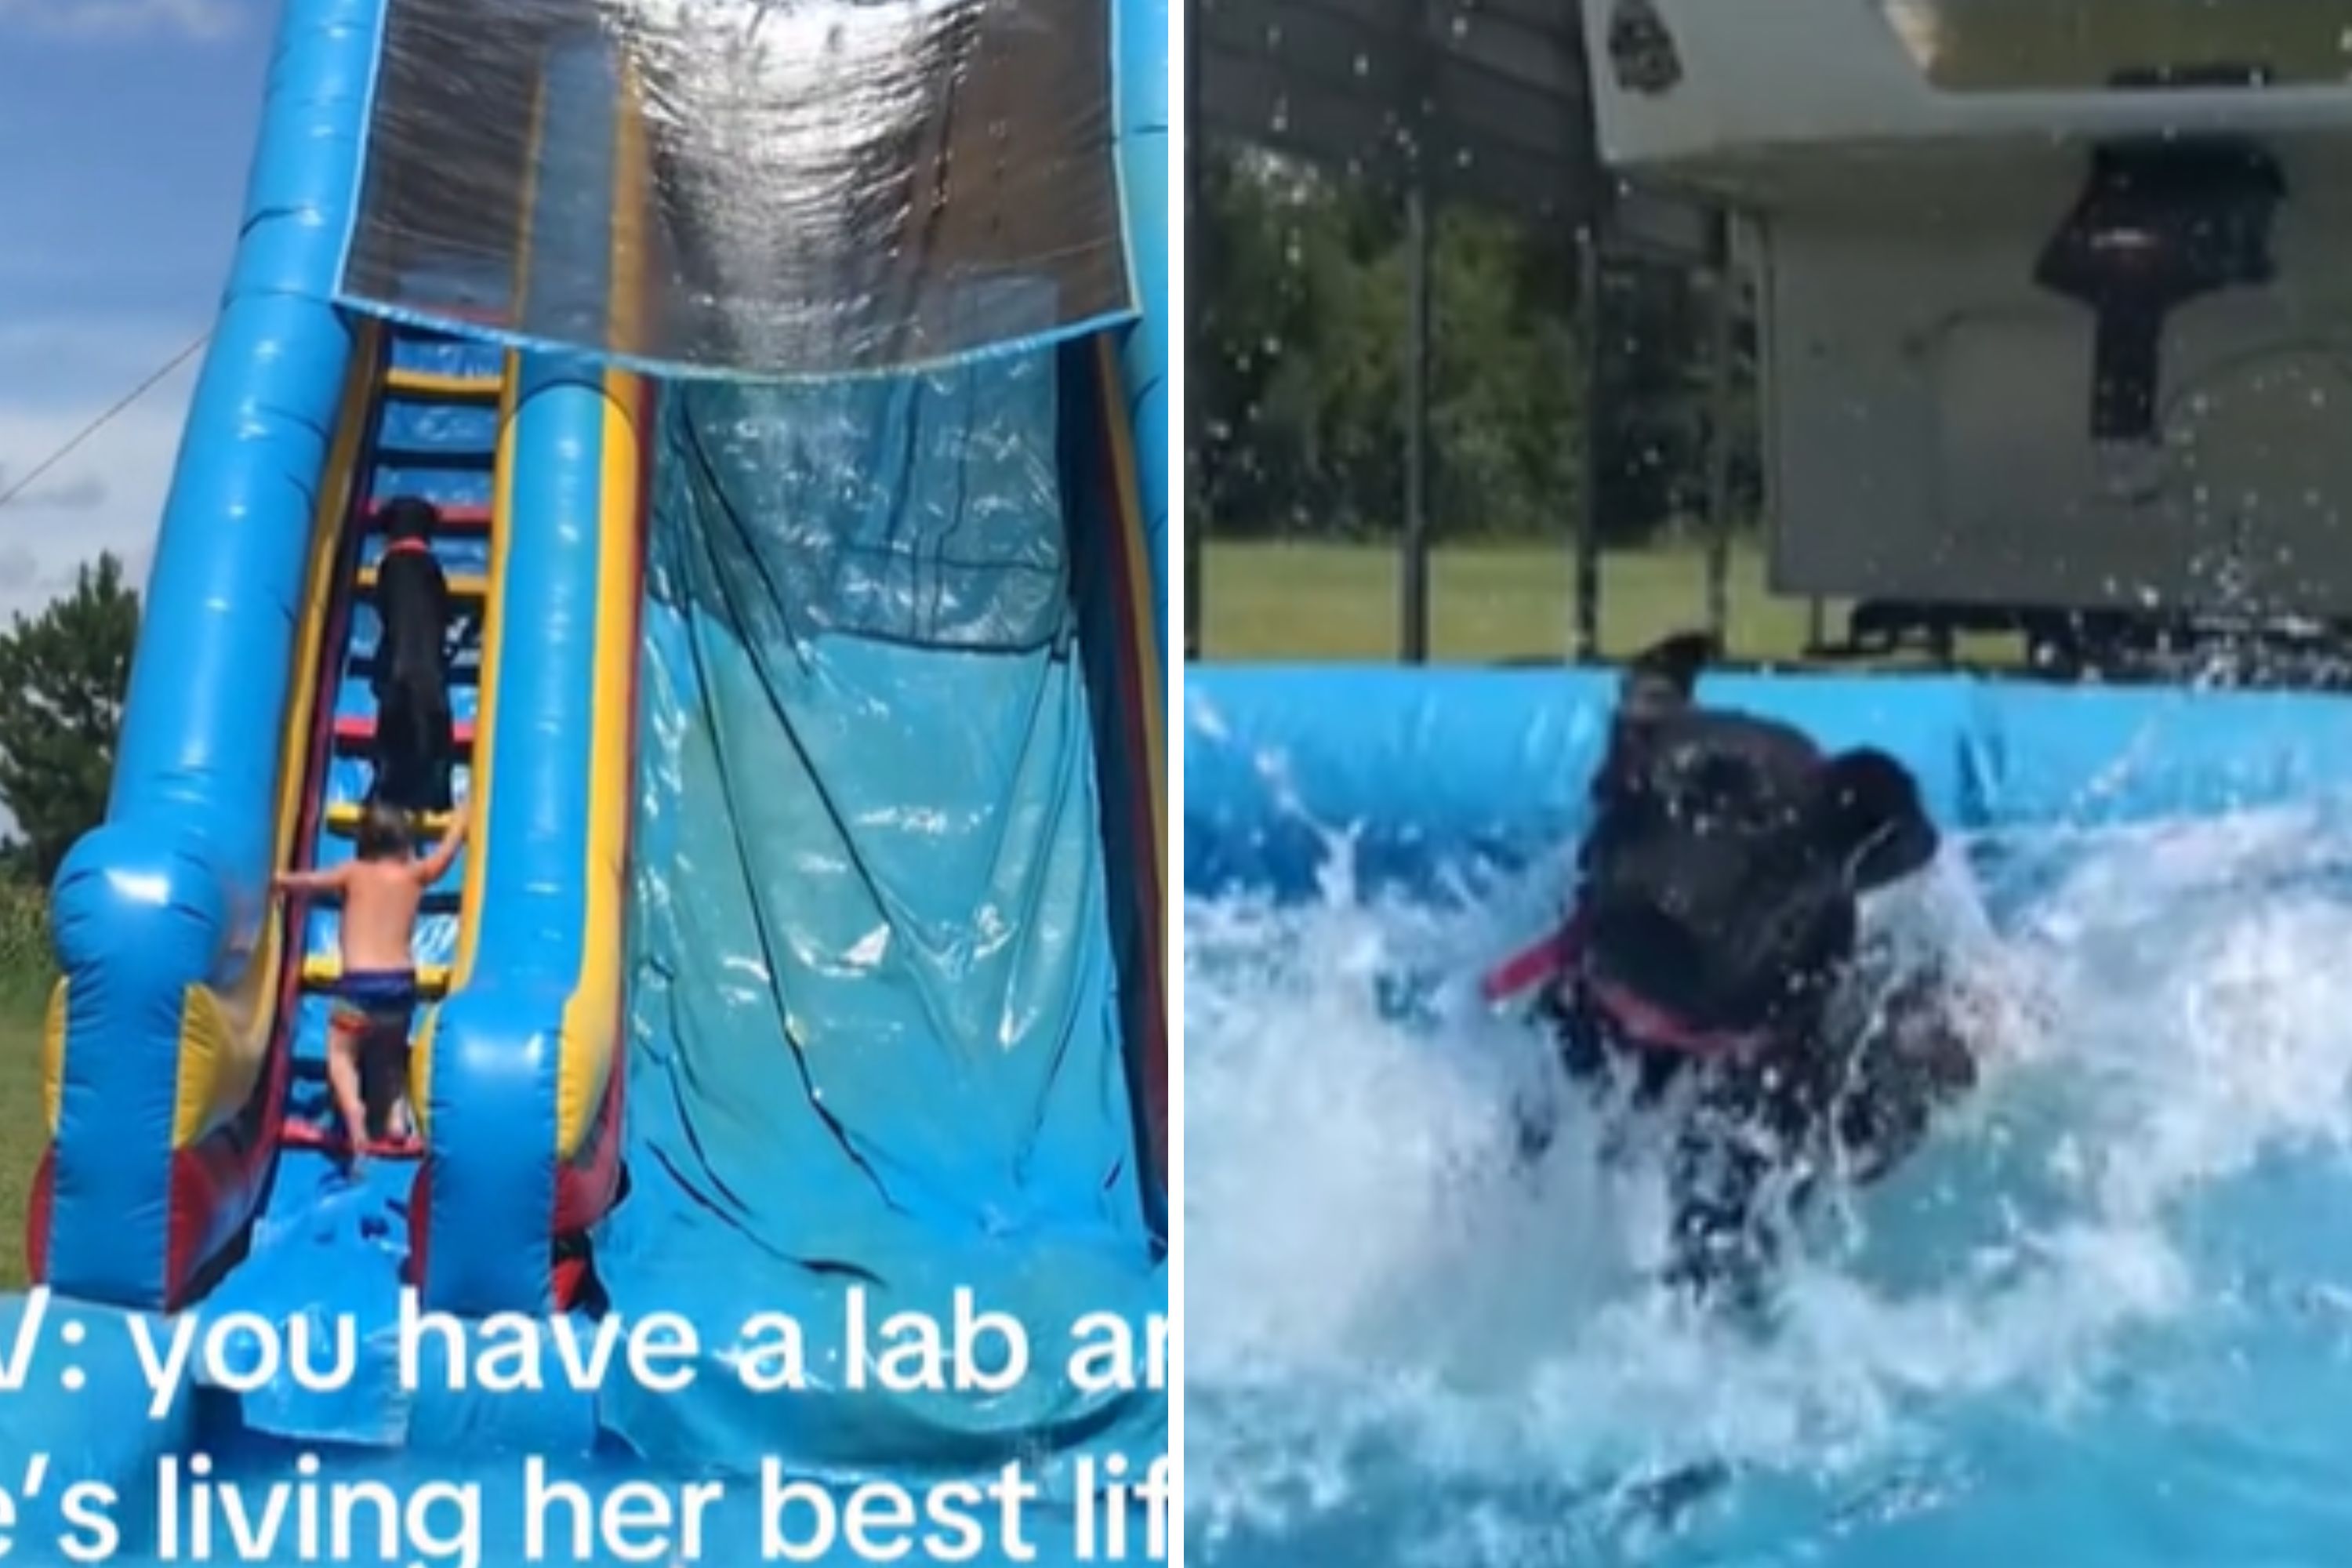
(24, 972)
(1487, 604)
(20, 1129)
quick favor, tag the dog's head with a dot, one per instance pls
(410, 519)
(1726, 851)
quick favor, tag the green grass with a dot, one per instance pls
(20, 1133)
(1490, 604)
(24, 972)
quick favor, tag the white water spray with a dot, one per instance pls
(1402, 1347)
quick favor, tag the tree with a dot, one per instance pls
(62, 677)
(1298, 363)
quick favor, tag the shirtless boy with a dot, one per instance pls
(381, 888)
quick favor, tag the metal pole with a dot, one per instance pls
(1416, 419)
(1588, 508)
(1197, 340)
(1720, 407)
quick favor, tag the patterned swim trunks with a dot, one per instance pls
(377, 1001)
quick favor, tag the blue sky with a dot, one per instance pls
(125, 130)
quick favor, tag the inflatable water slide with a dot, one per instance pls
(789, 386)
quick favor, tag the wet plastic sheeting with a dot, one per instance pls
(839, 187)
(905, 511)
(876, 1039)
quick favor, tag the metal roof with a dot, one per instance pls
(1491, 93)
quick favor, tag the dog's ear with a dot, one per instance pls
(1663, 677)
(1658, 683)
(1872, 818)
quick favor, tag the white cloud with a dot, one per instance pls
(108, 493)
(126, 19)
(84, 494)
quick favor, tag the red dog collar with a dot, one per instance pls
(1641, 1021)
(1529, 967)
(1644, 1023)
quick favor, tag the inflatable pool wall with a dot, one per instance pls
(1426, 771)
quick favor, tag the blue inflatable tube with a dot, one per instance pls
(1421, 774)
(1115, 444)
(105, 1432)
(1139, 78)
(520, 1070)
(162, 913)
(1140, 74)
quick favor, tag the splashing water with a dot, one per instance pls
(2106, 1316)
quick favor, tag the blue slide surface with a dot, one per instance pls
(880, 1051)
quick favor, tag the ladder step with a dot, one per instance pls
(343, 817)
(463, 585)
(452, 459)
(310, 1135)
(444, 387)
(321, 972)
(471, 519)
(359, 730)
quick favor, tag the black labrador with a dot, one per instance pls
(416, 734)
(1716, 959)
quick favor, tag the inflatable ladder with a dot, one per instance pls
(434, 435)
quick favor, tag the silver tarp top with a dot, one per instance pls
(745, 185)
